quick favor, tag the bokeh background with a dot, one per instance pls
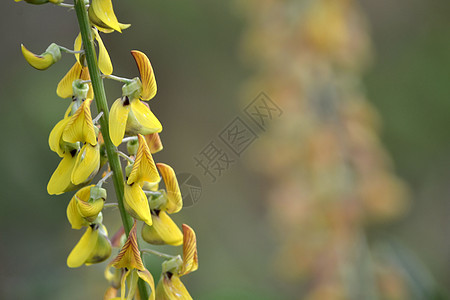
(203, 71)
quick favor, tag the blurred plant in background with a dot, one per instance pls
(329, 177)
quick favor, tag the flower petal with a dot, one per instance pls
(103, 9)
(73, 215)
(136, 203)
(154, 142)
(147, 277)
(171, 288)
(55, 138)
(102, 250)
(104, 61)
(190, 257)
(129, 256)
(81, 128)
(144, 168)
(77, 47)
(147, 75)
(83, 248)
(87, 164)
(118, 120)
(64, 88)
(146, 121)
(60, 180)
(174, 199)
(163, 231)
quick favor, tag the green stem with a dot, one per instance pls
(102, 106)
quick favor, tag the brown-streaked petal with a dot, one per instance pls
(154, 142)
(80, 127)
(147, 75)
(144, 168)
(190, 257)
(129, 256)
(174, 199)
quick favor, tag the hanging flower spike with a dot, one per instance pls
(101, 15)
(163, 231)
(147, 75)
(85, 206)
(170, 286)
(129, 258)
(43, 61)
(174, 199)
(93, 247)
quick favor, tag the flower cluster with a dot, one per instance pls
(330, 176)
(85, 145)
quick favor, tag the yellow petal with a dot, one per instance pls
(154, 142)
(136, 203)
(147, 277)
(81, 128)
(144, 168)
(83, 249)
(73, 215)
(163, 231)
(118, 120)
(64, 89)
(103, 9)
(55, 138)
(77, 46)
(102, 249)
(89, 208)
(40, 62)
(87, 164)
(170, 287)
(190, 257)
(129, 256)
(174, 200)
(104, 61)
(147, 75)
(60, 180)
(146, 122)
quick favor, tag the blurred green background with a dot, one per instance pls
(195, 51)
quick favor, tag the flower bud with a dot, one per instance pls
(45, 60)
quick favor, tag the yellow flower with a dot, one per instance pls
(129, 258)
(143, 170)
(65, 89)
(128, 114)
(170, 286)
(75, 140)
(101, 14)
(43, 61)
(93, 247)
(85, 206)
